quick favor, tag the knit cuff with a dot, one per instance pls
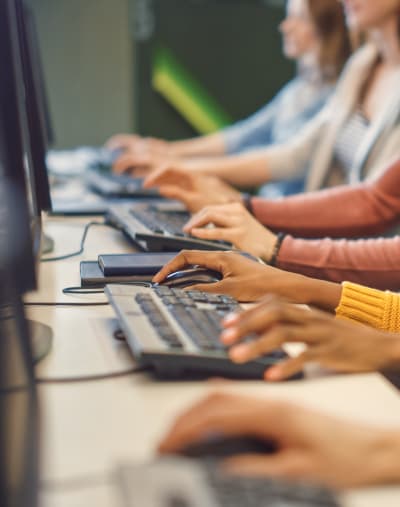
(375, 308)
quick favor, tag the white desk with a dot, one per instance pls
(90, 427)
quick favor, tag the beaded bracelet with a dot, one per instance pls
(274, 257)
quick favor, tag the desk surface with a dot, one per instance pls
(90, 427)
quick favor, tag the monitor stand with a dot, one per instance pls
(41, 339)
(47, 244)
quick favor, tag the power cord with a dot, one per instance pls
(82, 244)
(92, 378)
(48, 303)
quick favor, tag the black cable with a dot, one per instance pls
(82, 290)
(82, 244)
(48, 303)
(92, 378)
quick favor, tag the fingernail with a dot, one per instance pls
(239, 353)
(229, 335)
(230, 319)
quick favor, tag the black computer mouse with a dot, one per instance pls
(191, 276)
(226, 446)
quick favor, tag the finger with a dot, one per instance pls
(262, 318)
(212, 260)
(231, 415)
(177, 193)
(291, 366)
(215, 233)
(167, 175)
(267, 343)
(121, 141)
(216, 215)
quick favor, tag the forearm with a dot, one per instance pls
(314, 292)
(249, 169)
(371, 262)
(358, 211)
(212, 145)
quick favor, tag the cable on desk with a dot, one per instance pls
(89, 290)
(82, 290)
(59, 304)
(82, 244)
(92, 378)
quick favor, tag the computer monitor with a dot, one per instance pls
(18, 403)
(19, 449)
(16, 168)
(35, 104)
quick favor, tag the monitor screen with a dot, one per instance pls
(34, 103)
(15, 144)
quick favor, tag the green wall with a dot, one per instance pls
(87, 52)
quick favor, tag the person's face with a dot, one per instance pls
(369, 14)
(298, 30)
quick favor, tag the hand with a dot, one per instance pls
(310, 446)
(138, 163)
(137, 144)
(247, 280)
(232, 222)
(194, 190)
(338, 344)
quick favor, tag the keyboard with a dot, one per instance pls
(177, 482)
(159, 229)
(176, 332)
(102, 180)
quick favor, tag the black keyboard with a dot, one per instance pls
(160, 221)
(170, 223)
(179, 483)
(235, 491)
(178, 331)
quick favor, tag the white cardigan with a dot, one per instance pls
(313, 146)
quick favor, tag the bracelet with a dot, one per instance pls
(246, 200)
(275, 252)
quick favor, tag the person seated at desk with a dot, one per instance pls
(311, 446)
(249, 281)
(356, 211)
(315, 36)
(356, 134)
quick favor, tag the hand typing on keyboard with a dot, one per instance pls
(195, 190)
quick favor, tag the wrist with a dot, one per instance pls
(390, 350)
(271, 252)
(322, 294)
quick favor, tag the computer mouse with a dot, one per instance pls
(191, 276)
(226, 446)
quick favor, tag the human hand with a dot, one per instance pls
(137, 144)
(194, 190)
(232, 222)
(242, 278)
(310, 446)
(338, 344)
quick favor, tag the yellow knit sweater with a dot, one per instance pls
(370, 306)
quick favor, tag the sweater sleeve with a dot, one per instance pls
(372, 262)
(345, 211)
(375, 308)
